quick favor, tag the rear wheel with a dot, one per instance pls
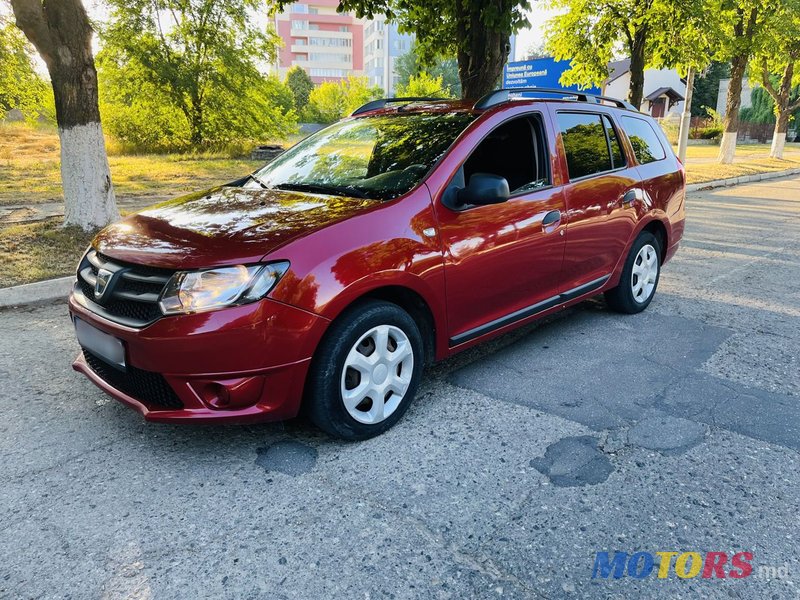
(640, 275)
(365, 372)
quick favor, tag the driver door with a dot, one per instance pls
(503, 261)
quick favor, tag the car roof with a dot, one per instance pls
(497, 99)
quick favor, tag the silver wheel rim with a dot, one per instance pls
(376, 374)
(645, 273)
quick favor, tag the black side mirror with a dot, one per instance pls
(484, 188)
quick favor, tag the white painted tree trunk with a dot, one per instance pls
(88, 194)
(778, 142)
(727, 147)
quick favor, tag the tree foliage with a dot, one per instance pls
(476, 32)
(410, 65)
(330, 101)
(21, 87)
(761, 109)
(300, 84)
(424, 85)
(189, 68)
(660, 33)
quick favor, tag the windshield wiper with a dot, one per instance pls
(317, 188)
(255, 178)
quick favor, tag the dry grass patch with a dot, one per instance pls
(36, 251)
(30, 170)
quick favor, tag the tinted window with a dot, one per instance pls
(584, 144)
(646, 145)
(376, 157)
(514, 150)
(617, 156)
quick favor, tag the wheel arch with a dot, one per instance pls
(659, 230)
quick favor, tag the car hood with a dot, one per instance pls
(225, 225)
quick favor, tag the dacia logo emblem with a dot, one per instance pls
(101, 283)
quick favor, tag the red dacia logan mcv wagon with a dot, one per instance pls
(407, 232)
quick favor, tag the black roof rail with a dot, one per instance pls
(376, 104)
(504, 95)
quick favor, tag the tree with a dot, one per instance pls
(61, 32)
(300, 84)
(775, 66)
(199, 58)
(21, 88)
(410, 65)
(330, 101)
(423, 85)
(476, 32)
(741, 28)
(588, 32)
(536, 50)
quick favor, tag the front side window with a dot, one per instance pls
(372, 157)
(646, 145)
(585, 144)
(515, 150)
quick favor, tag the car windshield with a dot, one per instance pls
(370, 157)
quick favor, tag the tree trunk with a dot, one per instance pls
(779, 136)
(480, 66)
(686, 117)
(62, 34)
(727, 148)
(742, 32)
(783, 106)
(638, 60)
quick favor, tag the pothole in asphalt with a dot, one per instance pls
(574, 461)
(290, 457)
(668, 435)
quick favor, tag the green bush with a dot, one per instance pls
(710, 133)
(330, 101)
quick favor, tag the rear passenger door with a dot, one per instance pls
(600, 195)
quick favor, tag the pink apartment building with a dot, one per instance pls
(328, 45)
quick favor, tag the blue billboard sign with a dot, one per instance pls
(539, 72)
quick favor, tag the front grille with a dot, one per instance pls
(145, 386)
(133, 292)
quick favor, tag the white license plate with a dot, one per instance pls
(102, 345)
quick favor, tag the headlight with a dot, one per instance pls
(196, 291)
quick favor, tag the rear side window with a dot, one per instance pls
(646, 145)
(584, 144)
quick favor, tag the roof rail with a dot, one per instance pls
(504, 95)
(376, 104)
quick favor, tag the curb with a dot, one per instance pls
(717, 183)
(41, 291)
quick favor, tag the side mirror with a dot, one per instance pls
(484, 188)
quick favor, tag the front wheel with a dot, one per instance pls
(365, 372)
(640, 275)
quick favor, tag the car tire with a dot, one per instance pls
(640, 276)
(365, 371)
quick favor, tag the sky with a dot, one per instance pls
(538, 16)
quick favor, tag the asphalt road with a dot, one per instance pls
(674, 430)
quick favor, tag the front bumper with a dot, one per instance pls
(241, 364)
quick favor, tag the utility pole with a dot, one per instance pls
(686, 117)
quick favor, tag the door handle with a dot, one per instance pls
(551, 221)
(629, 196)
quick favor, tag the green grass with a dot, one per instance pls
(36, 251)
